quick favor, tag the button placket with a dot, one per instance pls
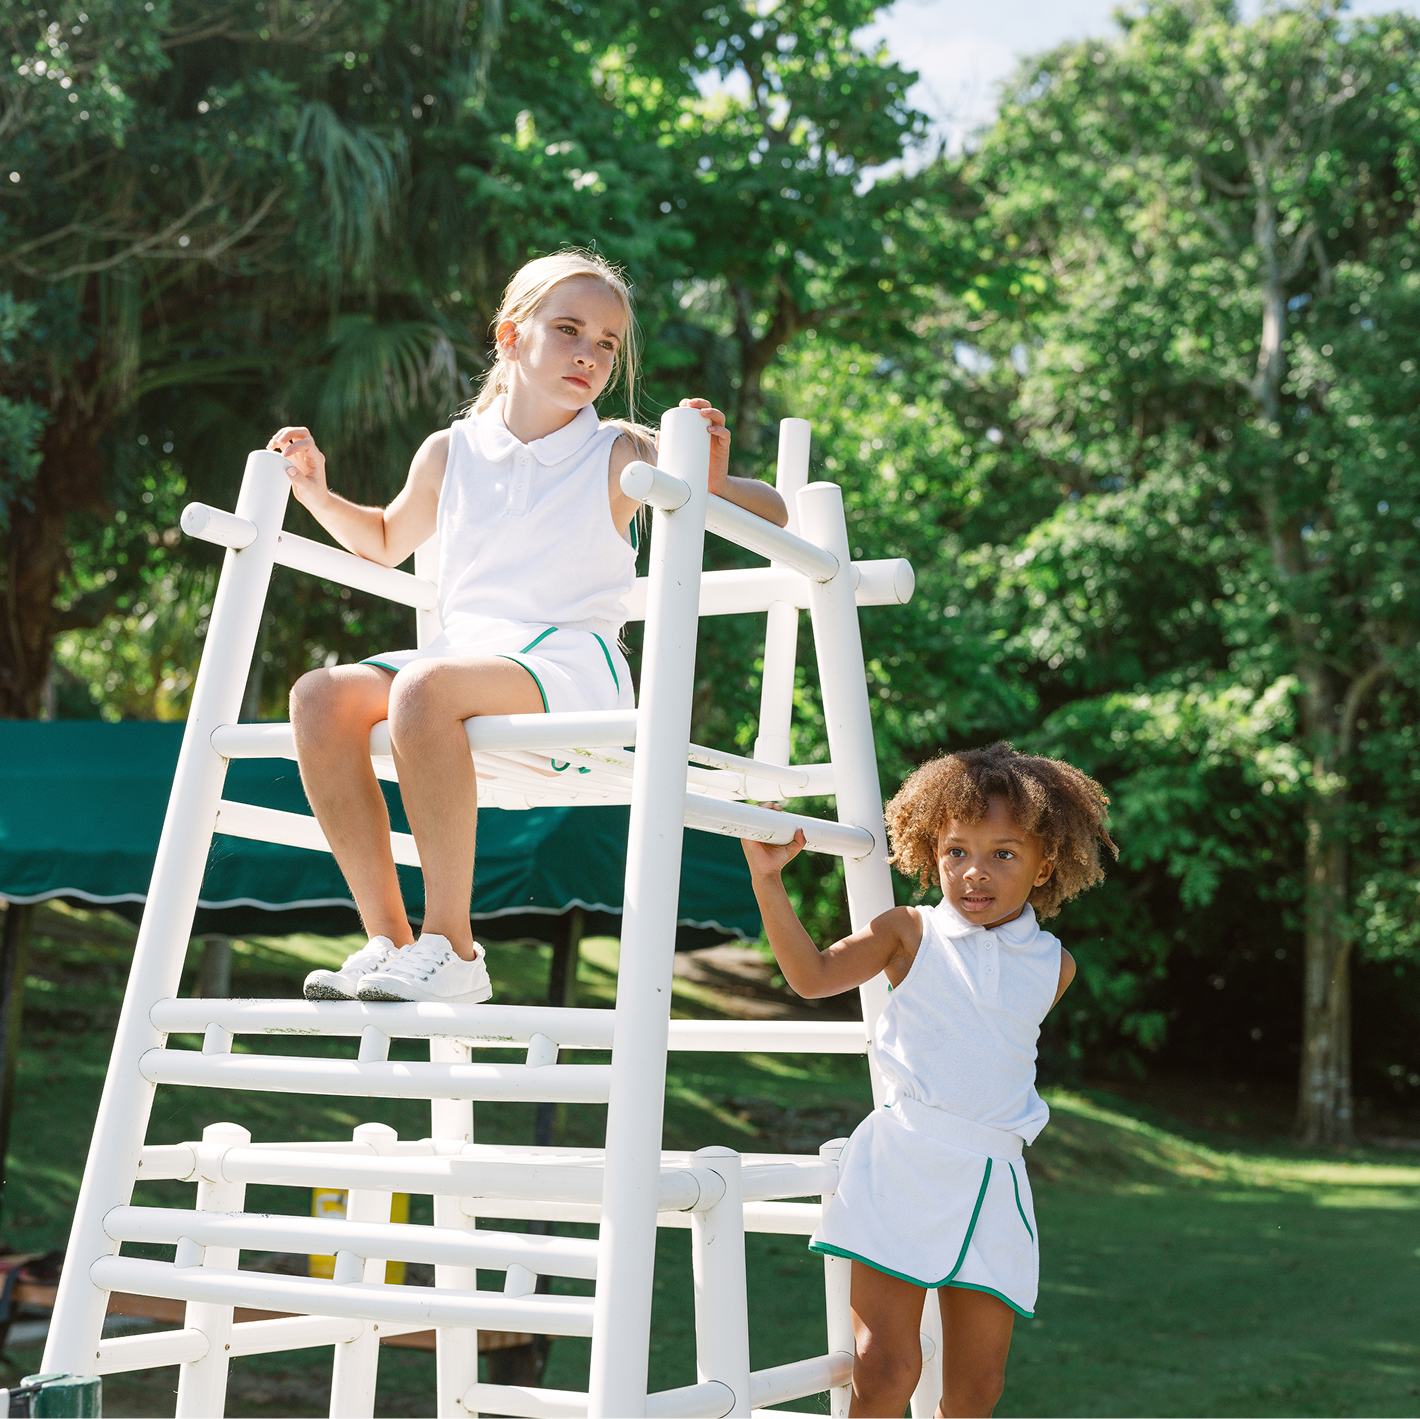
(990, 957)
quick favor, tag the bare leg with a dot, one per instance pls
(976, 1336)
(428, 703)
(332, 713)
(887, 1360)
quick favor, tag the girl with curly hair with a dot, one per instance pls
(932, 1191)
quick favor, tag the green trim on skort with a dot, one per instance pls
(1019, 1208)
(536, 681)
(615, 678)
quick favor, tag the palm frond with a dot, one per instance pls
(359, 181)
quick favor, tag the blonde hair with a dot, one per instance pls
(531, 285)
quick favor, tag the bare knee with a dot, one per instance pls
(325, 703)
(417, 697)
(885, 1369)
(977, 1391)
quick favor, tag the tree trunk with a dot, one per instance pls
(1324, 1105)
(70, 479)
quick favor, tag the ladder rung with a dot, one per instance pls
(490, 1025)
(348, 1078)
(387, 1241)
(356, 1300)
(530, 1180)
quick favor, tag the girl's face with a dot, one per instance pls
(989, 868)
(565, 351)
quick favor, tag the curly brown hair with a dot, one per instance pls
(1062, 806)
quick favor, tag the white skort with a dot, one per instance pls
(937, 1201)
(574, 669)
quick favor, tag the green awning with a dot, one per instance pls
(82, 805)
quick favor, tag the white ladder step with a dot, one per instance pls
(682, 1188)
(358, 1300)
(348, 1078)
(494, 1025)
(385, 1241)
(497, 1025)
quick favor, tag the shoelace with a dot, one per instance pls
(419, 959)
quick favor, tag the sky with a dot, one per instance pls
(963, 50)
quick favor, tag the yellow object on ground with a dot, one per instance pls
(330, 1202)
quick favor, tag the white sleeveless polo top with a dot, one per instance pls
(960, 1032)
(525, 530)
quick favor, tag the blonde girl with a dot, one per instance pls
(535, 558)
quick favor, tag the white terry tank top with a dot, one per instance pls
(960, 1032)
(525, 530)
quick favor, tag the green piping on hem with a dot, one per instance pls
(380, 665)
(968, 1286)
(976, 1212)
(1019, 1208)
(536, 681)
(538, 641)
(615, 678)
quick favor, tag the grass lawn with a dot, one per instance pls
(1183, 1272)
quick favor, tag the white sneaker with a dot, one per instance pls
(430, 970)
(342, 984)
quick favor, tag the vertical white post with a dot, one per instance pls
(426, 564)
(357, 1362)
(781, 635)
(717, 1255)
(839, 644)
(837, 1274)
(929, 1387)
(626, 1257)
(202, 1384)
(456, 1348)
(167, 919)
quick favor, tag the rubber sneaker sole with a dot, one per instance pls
(389, 994)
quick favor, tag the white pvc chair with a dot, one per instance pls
(631, 1186)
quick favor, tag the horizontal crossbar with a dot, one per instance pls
(357, 1300)
(387, 1241)
(722, 816)
(497, 1025)
(709, 1399)
(397, 1079)
(480, 1173)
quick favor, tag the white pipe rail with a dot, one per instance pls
(621, 1342)
(710, 1400)
(489, 1025)
(388, 1241)
(776, 1385)
(678, 1188)
(746, 590)
(493, 1026)
(212, 524)
(123, 1353)
(654, 486)
(782, 1383)
(736, 524)
(316, 558)
(349, 1078)
(724, 816)
(357, 1300)
(748, 820)
(161, 947)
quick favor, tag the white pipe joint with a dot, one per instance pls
(211, 524)
(649, 484)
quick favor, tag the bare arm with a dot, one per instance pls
(748, 493)
(1067, 974)
(384, 535)
(888, 943)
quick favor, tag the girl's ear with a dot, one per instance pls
(507, 338)
(1047, 869)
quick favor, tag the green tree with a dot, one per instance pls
(1221, 384)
